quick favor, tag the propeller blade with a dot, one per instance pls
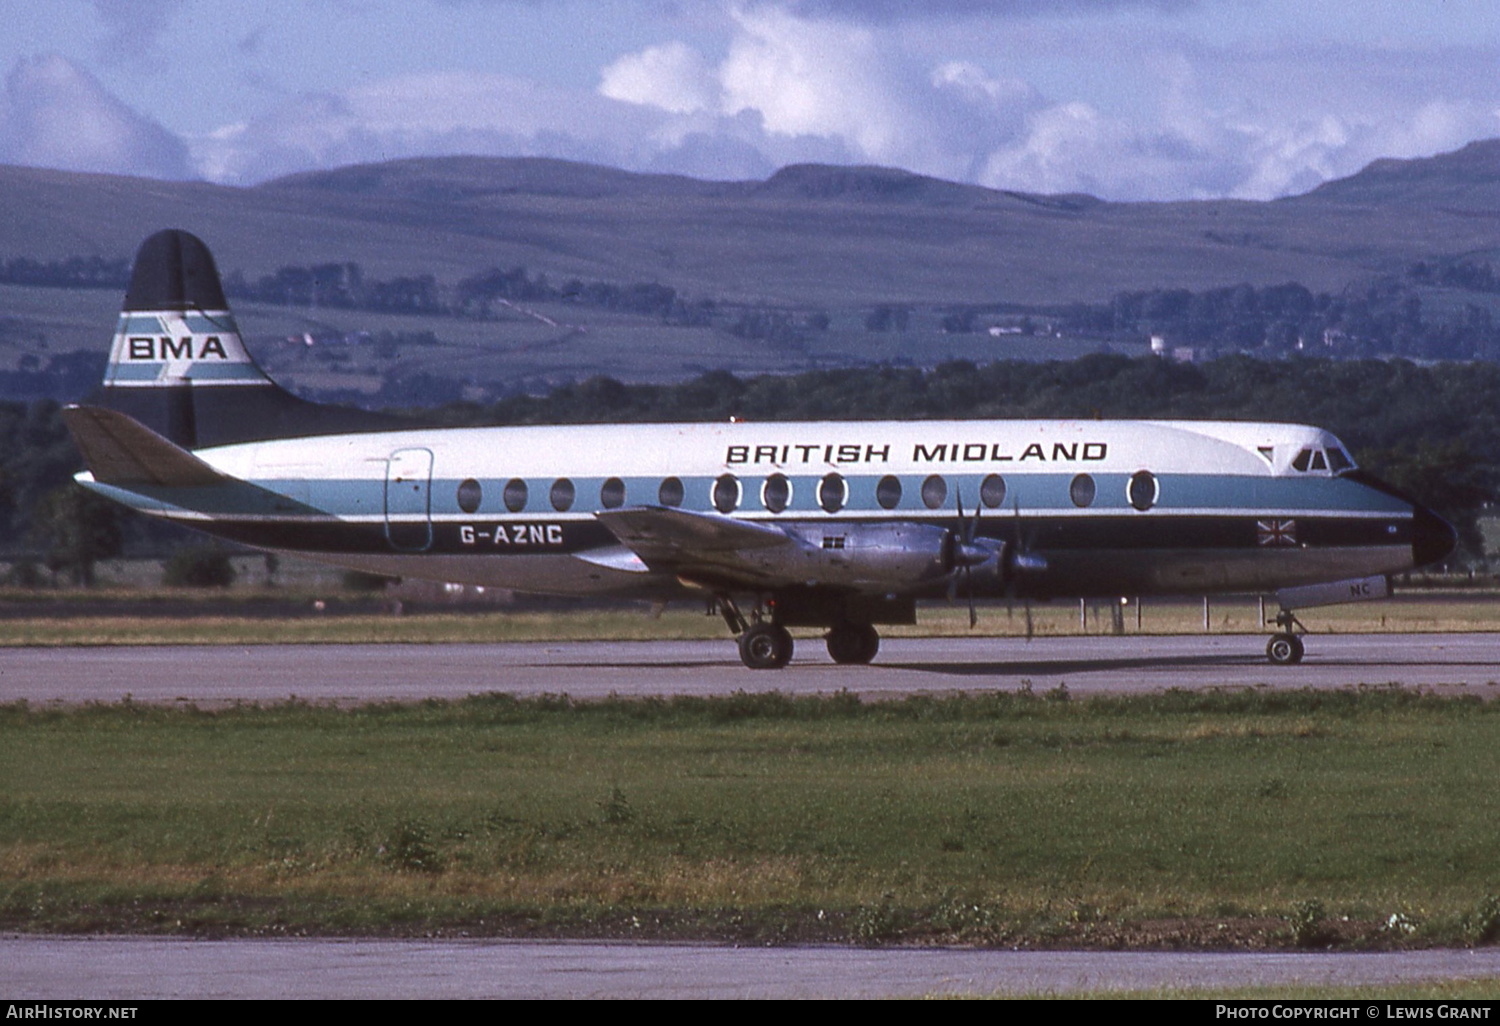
(966, 554)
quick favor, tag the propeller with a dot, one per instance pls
(1020, 559)
(967, 554)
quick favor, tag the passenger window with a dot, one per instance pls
(992, 491)
(562, 495)
(1082, 490)
(888, 492)
(934, 492)
(470, 495)
(726, 493)
(671, 492)
(833, 492)
(612, 493)
(1143, 490)
(776, 493)
(515, 495)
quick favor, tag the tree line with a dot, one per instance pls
(1388, 316)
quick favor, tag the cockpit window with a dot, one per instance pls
(1331, 460)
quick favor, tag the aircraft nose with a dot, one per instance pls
(1433, 538)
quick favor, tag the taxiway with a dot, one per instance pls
(213, 674)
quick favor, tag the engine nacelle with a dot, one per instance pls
(885, 557)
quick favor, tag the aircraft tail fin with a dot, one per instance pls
(179, 366)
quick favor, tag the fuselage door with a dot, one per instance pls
(408, 500)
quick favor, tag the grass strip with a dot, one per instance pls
(1363, 818)
(1428, 614)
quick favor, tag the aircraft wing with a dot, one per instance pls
(698, 546)
(120, 450)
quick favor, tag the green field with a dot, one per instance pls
(1256, 819)
(251, 616)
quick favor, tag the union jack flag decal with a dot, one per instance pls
(1276, 532)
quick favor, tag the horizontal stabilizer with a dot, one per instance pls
(121, 451)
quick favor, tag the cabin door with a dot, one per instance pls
(408, 500)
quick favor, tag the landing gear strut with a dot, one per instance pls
(764, 644)
(853, 643)
(1286, 648)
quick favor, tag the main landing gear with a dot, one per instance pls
(764, 644)
(767, 645)
(854, 643)
(1286, 648)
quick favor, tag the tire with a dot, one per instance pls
(854, 644)
(766, 646)
(1284, 649)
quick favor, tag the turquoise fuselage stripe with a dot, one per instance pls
(1029, 493)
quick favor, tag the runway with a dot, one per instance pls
(122, 968)
(211, 675)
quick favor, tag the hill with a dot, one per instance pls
(1464, 181)
(807, 236)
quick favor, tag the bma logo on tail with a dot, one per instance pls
(210, 347)
(166, 347)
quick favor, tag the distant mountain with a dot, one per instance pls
(476, 179)
(822, 182)
(1466, 179)
(464, 179)
(810, 235)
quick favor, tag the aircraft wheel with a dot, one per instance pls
(853, 643)
(1284, 649)
(766, 646)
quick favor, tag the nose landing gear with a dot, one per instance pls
(1286, 648)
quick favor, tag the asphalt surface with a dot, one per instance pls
(211, 674)
(36, 968)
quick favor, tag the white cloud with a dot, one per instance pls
(453, 113)
(55, 114)
(1207, 122)
(674, 77)
(812, 78)
(848, 86)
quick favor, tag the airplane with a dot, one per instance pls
(831, 525)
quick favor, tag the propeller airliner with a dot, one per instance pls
(830, 525)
